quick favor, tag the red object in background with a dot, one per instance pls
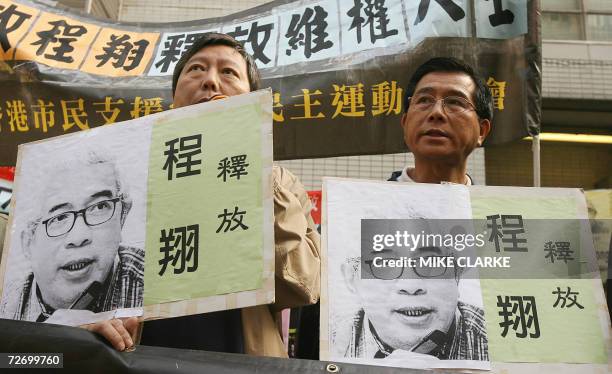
(7, 172)
(315, 199)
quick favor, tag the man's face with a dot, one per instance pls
(436, 134)
(403, 311)
(214, 70)
(64, 266)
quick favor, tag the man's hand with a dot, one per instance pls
(118, 332)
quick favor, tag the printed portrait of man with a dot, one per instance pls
(410, 310)
(72, 241)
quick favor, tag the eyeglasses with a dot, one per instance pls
(93, 215)
(450, 104)
(424, 268)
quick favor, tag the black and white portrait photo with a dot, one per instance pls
(418, 312)
(418, 316)
(78, 230)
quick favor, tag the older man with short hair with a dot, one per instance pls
(217, 66)
(448, 113)
(74, 245)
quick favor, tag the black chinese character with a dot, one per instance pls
(189, 146)
(377, 19)
(171, 52)
(183, 240)
(174, 46)
(232, 168)
(519, 310)
(302, 28)
(501, 16)
(453, 10)
(5, 23)
(564, 253)
(496, 230)
(252, 38)
(563, 297)
(190, 39)
(558, 250)
(61, 33)
(121, 50)
(511, 226)
(228, 217)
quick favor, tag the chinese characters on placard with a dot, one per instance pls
(182, 156)
(558, 251)
(183, 159)
(518, 315)
(507, 229)
(180, 247)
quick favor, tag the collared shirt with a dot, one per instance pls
(124, 289)
(466, 339)
(402, 176)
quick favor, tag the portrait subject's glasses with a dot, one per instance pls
(93, 215)
(422, 269)
(450, 104)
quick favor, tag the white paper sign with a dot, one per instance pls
(431, 19)
(309, 33)
(380, 321)
(501, 19)
(367, 25)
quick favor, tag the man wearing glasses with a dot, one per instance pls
(448, 113)
(74, 246)
(412, 310)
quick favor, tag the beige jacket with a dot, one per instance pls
(298, 266)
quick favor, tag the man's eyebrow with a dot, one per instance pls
(424, 90)
(220, 60)
(384, 250)
(104, 193)
(231, 61)
(59, 206)
(194, 60)
(436, 250)
(450, 92)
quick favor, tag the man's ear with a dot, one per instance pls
(350, 277)
(485, 128)
(126, 206)
(403, 120)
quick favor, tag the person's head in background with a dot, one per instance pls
(216, 65)
(448, 113)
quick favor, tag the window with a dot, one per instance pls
(604, 6)
(563, 5)
(562, 26)
(577, 20)
(599, 27)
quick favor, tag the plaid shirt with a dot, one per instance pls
(467, 338)
(123, 289)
